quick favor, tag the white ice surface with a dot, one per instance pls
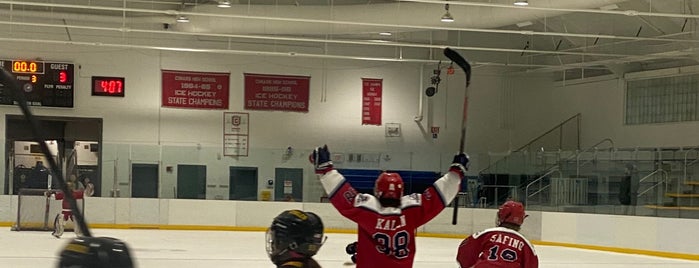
(165, 248)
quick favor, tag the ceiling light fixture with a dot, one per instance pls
(521, 3)
(524, 24)
(609, 7)
(447, 16)
(224, 4)
(182, 19)
(385, 33)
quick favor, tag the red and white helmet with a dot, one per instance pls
(511, 212)
(389, 185)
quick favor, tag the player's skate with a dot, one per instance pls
(351, 249)
(76, 229)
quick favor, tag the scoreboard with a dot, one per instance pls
(48, 84)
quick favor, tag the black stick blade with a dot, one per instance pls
(459, 60)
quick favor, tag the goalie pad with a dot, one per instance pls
(58, 225)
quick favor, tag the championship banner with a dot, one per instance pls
(276, 92)
(195, 89)
(371, 101)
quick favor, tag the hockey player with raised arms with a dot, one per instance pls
(387, 221)
(502, 246)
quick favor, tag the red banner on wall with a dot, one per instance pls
(276, 92)
(371, 101)
(195, 89)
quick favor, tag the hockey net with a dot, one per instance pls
(37, 209)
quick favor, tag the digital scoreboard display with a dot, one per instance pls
(48, 84)
(108, 86)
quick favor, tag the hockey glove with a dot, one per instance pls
(460, 164)
(320, 158)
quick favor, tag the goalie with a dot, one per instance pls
(66, 213)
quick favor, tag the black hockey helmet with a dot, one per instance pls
(95, 252)
(294, 234)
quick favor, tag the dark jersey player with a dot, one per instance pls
(502, 246)
(293, 238)
(387, 221)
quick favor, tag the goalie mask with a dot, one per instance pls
(511, 212)
(388, 186)
(95, 252)
(294, 234)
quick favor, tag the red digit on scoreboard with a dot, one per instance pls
(108, 86)
(111, 86)
(62, 77)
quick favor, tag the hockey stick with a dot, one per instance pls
(86, 250)
(11, 83)
(466, 67)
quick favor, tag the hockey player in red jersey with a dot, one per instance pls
(387, 221)
(66, 214)
(502, 246)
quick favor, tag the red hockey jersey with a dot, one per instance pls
(498, 247)
(78, 194)
(387, 234)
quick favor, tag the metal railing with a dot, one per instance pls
(663, 180)
(577, 155)
(510, 192)
(688, 163)
(540, 189)
(558, 127)
(560, 146)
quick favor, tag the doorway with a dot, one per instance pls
(288, 184)
(144, 180)
(65, 132)
(243, 183)
(191, 182)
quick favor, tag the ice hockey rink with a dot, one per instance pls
(177, 248)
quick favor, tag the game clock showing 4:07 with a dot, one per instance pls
(108, 86)
(47, 84)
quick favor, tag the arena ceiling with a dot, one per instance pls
(572, 38)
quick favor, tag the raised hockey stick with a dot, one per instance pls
(86, 250)
(466, 67)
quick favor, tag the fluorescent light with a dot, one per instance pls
(609, 7)
(385, 33)
(524, 24)
(521, 3)
(224, 4)
(182, 19)
(447, 17)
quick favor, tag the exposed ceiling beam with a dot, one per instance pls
(274, 53)
(556, 9)
(531, 52)
(344, 23)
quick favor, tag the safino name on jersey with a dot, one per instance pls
(507, 240)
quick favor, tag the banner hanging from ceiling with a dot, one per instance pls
(202, 90)
(371, 101)
(277, 92)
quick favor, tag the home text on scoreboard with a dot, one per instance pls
(49, 84)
